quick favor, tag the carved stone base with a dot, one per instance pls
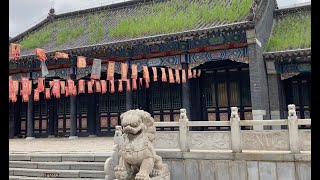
(165, 176)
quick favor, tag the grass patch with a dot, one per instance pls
(38, 38)
(69, 30)
(291, 32)
(96, 28)
(179, 15)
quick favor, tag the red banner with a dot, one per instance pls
(15, 86)
(163, 75)
(155, 74)
(56, 88)
(140, 83)
(30, 87)
(199, 73)
(70, 85)
(40, 85)
(36, 95)
(48, 96)
(177, 76)
(134, 84)
(110, 74)
(25, 86)
(120, 88)
(90, 85)
(194, 73)
(74, 91)
(134, 71)
(112, 86)
(124, 71)
(146, 75)
(67, 91)
(81, 86)
(189, 74)
(103, 86)
(14, 53)
(63, 87)
(183, 76)
(41, 54)
(98, 86)
(171, 78)
(60, 55)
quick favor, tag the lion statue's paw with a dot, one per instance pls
(141, 176)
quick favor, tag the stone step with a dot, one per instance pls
(56, 173)
(38, 157)
(58, 165)
(44, 178)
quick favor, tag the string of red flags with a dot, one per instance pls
(14, 51)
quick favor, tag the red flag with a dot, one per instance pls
(51, 84)
(25, 97)
(25, 86)
(128, 85)
(81, 86)
(14, 53)
(14, 98)
(98, 86)
(177, 76)
(155, 74)
(134, 71)
(120, 89)
(90, 85)
(56, 88)
(134, 84)
(171, 78)
(164, 76)
(110, 74)
(183, 76)
(67, 91)
(194, 73)
(48, 96)
(103, 86)
(74, 91)
(40, 85)
(30, 87)
(81, 62)
(111, 86)
(147, 84)
(41, 54)
(60, 55)
(146, 75)
(63, 87)
(70, 85)
(10, 87)
(189, 74)
(15, 86)
(36, 95)
(124, 71)
(199, 72)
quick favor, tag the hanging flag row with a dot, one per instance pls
(57, 87)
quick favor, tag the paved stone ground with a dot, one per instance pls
(62, 145)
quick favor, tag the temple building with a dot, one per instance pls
(240, 53)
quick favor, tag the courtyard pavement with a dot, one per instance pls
(62, 145)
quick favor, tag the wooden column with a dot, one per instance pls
(185, 86)
(92, 104)
(129, 93)
(73, 103)
(30, 115)
(52, 116)
(11, 120)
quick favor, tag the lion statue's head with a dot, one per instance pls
(137, 121)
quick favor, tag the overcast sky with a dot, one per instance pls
(24, 14)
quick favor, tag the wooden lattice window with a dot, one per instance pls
(103, 101)
(36, 108)
(122, 101)
(44, 108)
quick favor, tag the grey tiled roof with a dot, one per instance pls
(110, 17)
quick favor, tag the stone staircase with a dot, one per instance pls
(53, 166)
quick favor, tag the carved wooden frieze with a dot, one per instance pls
(167, 140)
(265, 140)
(210, 140)
(305, 140)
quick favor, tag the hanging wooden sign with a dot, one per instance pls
(81, 62)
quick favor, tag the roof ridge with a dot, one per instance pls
(114, 6)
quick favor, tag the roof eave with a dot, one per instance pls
(180, 35)
(287, 54)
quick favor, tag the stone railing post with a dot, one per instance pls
(293, 129)
(183, 131)
(235, 130)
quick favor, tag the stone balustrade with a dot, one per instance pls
(292, 139)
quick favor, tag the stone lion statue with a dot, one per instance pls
(138, 159)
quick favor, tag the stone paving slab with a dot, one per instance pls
(61, 145)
